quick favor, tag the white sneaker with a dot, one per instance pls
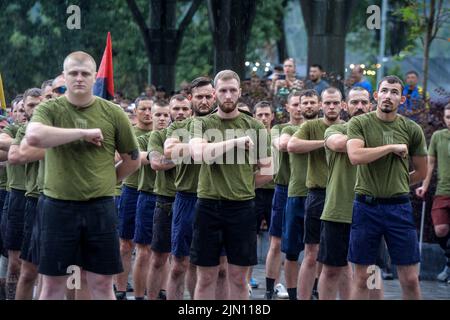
(281, 291)
(444, 275)
(249, 290)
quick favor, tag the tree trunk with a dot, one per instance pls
(231, 23)
(426, 50)
(327, 23)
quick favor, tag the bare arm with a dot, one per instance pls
(360, 155)
(129, 164)
(5, 141)
(174, 149)
(337, 142)
(144, 160)
(281, 143)
(26, 153)
(296, 145)
(421, 191)
(420, 170)
(265, 173)
(13, 154)
(43, 136)
(159, 163)
(200, 149)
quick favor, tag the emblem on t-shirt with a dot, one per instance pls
(388, 137)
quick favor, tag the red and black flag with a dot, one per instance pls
(104, 84)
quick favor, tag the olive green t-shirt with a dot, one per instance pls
(187, 171)
(147, 175)
(15, 173)
(440, 149)
(316, 176)
(232, 176)
(165, 179)
(3, 177)
(133, 179)
(80, 170)
(31, 168)
(341, 182)
(281, 159)
(298, 164)
(41, 176)
(389, 175)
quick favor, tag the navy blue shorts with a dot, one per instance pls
(117, 203)
(79, 233)
(278, 208)
(182, 222)
(144, 218)
(293, 226)
(16, 220)
(30, 219)
(224, 223)
(4, 198)
(127, 212)
(162, 224)
(393, 221)
(314, 204)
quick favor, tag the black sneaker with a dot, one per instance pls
(162, 295)
(121, 295)
(269, 295)
(315, 295)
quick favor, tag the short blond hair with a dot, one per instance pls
(79, 57)
(226, 75)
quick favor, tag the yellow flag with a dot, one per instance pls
(2, 95)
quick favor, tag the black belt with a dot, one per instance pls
(374, 200)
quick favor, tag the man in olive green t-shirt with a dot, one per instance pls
(129, 198)
(380, 143)
(282, 169)
(229, 144)
(165, 190)
(310, 139)
(439, 153)
(81, 134)
(337, 212)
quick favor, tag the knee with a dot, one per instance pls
(205, 279)
(310, 259)
(126, 246)
(28, 274)
(441, 230)
(275, 245)
(157, 261)
(102, 284)
(178, 269)
(143, 252)
(237, 278)
(331, 273)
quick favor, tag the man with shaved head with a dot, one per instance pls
(81, 133)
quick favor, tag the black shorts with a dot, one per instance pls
(30, 219)
(162, 224)
(15, 220)
(334, 239)
(263, 206)
(315, 201)
(4, 198)
(82, 233)
(224, 223)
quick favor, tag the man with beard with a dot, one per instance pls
(315, 80)
(380, 143)
(228, 143)
(292, 243)
(176, 147)
(165, 191)
(129, 198)
(310, 139)
(337, 212)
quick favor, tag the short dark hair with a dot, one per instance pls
(141, 98)
(46, 83)
(391, 80)
(179, 97)
(305, 93)
(359, 89)
(447, 107)
(263, 104)
(412, 72)
(200, 82)
(32, 92)
(15, 100)
(161, 103)
(331, 90)
(318, 66)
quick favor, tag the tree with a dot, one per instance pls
(162, 39)
(230, 23)
(327, 23)
(425, 19)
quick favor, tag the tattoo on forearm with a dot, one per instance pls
(134, 154)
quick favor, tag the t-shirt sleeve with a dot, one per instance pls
(432, 151)
(156, 142)
(303, 132)
(19, 136)
(355, 130)
(125, 138)
(418, 145)
(10, 130)
(332, 131)
(143, 142)
(288, 130)
(44, 114)
(264, 142)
